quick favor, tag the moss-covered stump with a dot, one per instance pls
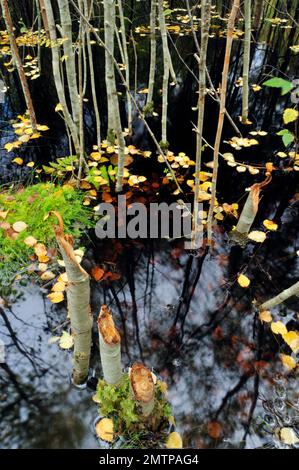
(123, 413)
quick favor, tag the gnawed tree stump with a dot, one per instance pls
(110, 347)
(143, 388)
(78, 298)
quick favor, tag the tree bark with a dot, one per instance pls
(280, 298)
(229, 42)
(18, 63)
(110, 347)
(202, 60)
(126, 62)
(152, 73)
(246, 60)
(78, 298)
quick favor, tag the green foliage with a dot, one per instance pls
(118, 404)
(33, 205)
(287, 137)
(278, 82)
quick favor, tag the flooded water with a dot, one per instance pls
(185, 316)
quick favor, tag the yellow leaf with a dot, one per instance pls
(19, 226)
(292, 340)
(243, 280)
(104, 429)
(59, 287)
(62, 277)
(42, 267)
(56, 297)
(257, 236)
(174, 441)
(265, 316)
(30, 241)
(270, 225)
(278, 328)
(18, 161)
(3, 214)
(288, 436)
(30, 164)
(66, 340)
(288, 361)
(42, 128)
(47, 276)
(290, 115)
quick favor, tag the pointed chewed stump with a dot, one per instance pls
(143, 388)
(110, 347)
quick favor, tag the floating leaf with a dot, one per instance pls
(174, 441)
(56, 297)
(290, 115)
(66, 340)
(19, 226)
(97, 273)
(104, 429)
(257, 236)
(279, 328)
(292, 340)
(288, 436)
(18, 161)
(270, 225)
(288, 361)
(47, 276)
(59, 287)
(243, 280)
(278, 82)
(265, 316)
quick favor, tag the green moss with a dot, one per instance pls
(32, 205)
(117, 403)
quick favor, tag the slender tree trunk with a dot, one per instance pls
(81, 96)
(110, 347)
(44, 16)
(78, 298)
(18, 63)
(70, 61)
(246, 60)
(92, 76)
(166, 73)
(152, 73)
(58, 78)
(258, 13)
(143, 388)
(202, 60)
(126, 62)
(284, 295)
(114, 121)
(229, 42)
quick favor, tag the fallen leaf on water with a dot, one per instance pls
(243, 280)
(214, 429)
(59, 287)
(174, 441)
(47, 276)
(292, 340)
(66, 340)
(288, 361)
(279, 328)
(56, 297)
(97, 273)
(288, 436)
(18, 161)
(270, 225)
(104, 429)
(257, 236)
(265, 316)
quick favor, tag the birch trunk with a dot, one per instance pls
(78, 297)
(81, 96)
(114, 121)
(246, 60)
(280, 298)
(58, 78)
(18, 63)
(143, 388)
(202, 60)
(151, 80)
(166, 73)
(229, 42)
(110, 347)
(70, 61)
(126, 62)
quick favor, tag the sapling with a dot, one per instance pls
(110, 351)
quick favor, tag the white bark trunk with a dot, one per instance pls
(284, 295)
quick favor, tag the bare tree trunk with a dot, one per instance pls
(18, 63)
(58, 78)
(229, 42)
(81, 95)
(258, 13)
(151, 80)
(284, 295)
(143, 388)
(78, 298)
(44, 16)
(202, 60)
(110, 347)
(126, 62)
(246, 60)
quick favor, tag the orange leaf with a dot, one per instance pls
(97, 273)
